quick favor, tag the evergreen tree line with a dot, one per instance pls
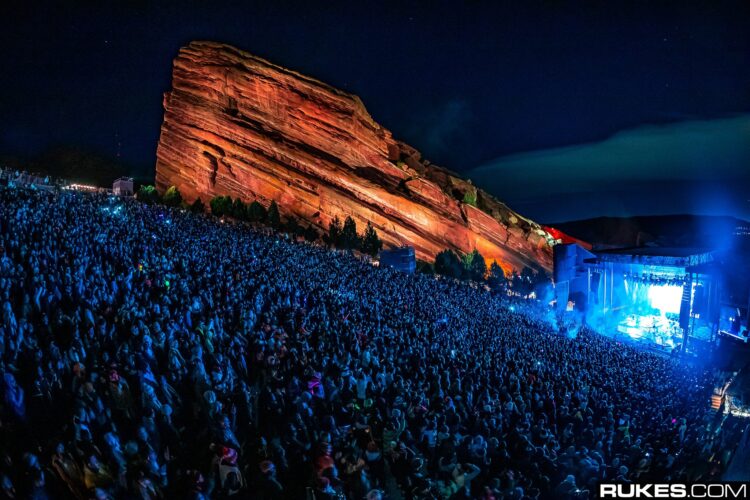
(341, 236)
(472, 267)
(469, 267)
(346, 237)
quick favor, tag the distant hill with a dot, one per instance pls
(78, 165)
(655, 230)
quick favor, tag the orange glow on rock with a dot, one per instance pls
(237, 125)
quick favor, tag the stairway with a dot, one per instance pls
(716, 401)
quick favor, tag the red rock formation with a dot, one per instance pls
(237, 125)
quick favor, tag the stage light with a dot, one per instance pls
(665, 298)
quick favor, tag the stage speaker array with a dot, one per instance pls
(685, 302)
(700, 301)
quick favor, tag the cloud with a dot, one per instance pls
(630, 164)
(438, 130)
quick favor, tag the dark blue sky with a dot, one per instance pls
(466, 83)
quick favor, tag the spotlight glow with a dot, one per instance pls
(665, 298)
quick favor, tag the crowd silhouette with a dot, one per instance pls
(149, 352)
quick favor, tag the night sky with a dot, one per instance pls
(564, 110)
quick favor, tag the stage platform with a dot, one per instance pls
(658, 330)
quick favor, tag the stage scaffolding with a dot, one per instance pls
(665, 297)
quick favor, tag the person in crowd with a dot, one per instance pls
(149, 352)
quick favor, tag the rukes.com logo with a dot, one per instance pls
(674, 490)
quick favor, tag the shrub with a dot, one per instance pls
(470, 198)
(147, 194)
(172, 197)
(425, 267)
(221, 205)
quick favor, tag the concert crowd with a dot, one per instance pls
(148, 352)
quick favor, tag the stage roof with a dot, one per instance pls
(655, 256)
(656, 251)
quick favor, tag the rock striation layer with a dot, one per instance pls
(237, 125)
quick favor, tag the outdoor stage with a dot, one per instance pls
(647, 295)
(659, 330)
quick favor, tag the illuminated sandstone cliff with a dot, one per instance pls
(237, 125)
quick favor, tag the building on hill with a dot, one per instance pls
(123, 186)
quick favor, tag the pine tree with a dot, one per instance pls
(474, 266)
(496, 280)
(197, 206)
(371, 244)
(349, 237)
(311, 234)
(293, 227)
(256, 212)
(334, 232)
(274, 217)
(239, 209)
(448, 264)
